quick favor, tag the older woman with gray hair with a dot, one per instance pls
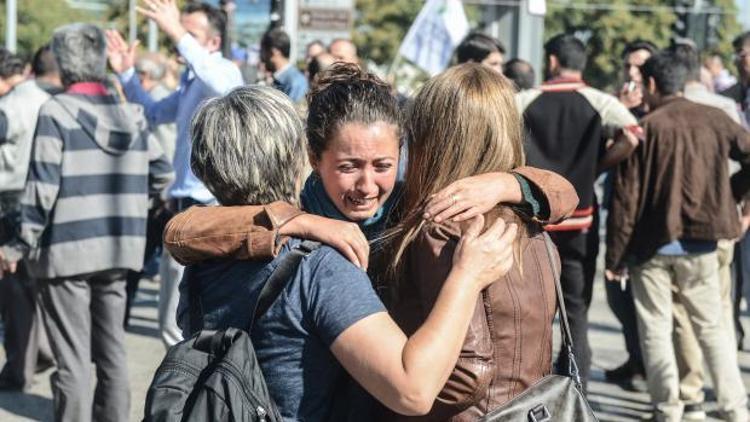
(249, 148)
(83, 225)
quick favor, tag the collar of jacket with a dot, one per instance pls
(87, 88)
(669, 100)
(563, 84)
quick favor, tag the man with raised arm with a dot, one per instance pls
(196, 32)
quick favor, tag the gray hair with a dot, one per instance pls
(152, 64)
(249, 147)
(80, 50)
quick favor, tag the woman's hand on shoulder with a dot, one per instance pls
(346, 237)
(472, 196)
(485, 257)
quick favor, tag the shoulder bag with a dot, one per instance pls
(555, 398)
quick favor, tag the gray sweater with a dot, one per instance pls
(93, 165)
(20, 108)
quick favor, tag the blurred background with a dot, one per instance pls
(378, 27)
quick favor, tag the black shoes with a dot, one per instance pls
(693, 412)
(630, 376)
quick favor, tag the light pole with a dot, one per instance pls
(228, 7)
(277, 14)
(132, 23)
(11, 17)
(153, 36)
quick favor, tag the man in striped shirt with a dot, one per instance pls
(83, 224)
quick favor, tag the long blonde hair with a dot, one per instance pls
(463, 122)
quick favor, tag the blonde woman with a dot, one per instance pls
(469, 114)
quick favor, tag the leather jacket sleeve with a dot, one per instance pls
(560, 196)
(239, 232)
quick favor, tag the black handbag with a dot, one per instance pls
(555, 398)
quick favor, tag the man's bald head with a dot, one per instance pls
(344, 51)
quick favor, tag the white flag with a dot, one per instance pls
(438, 29)
(538, 7)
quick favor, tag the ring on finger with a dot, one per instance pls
(454, 199)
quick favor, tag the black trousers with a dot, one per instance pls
(158, 217)
(740, 250)
(26, 345)
(578, 251)
(25, 340)
(621, 301)
(623, 307)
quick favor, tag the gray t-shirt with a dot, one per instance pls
(327, 295)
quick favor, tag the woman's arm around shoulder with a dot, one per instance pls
(256, 232)
(406, 374)
(555, 198)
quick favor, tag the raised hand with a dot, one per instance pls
(121, 55)
(166, 14)
(487, 256)
(631, 95)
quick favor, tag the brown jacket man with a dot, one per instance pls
(672, 202)
(676, 184)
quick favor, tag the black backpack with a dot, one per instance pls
(215, 376)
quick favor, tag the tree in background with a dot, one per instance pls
(727, 28)
(606, 32)
(381, 25)
(37, 19)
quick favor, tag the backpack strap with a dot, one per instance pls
(268, 295)
(218, 341)
(567, 336)
(280, 278)
(195, 308)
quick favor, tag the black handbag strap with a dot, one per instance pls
(268, 294)
(567, 336)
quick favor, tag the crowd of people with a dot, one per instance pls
(433, 294)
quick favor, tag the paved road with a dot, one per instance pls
(145, 351)
(611, 402)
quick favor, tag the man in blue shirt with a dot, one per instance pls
(274, 52)
(196, 32)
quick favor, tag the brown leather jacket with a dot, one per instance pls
(509, 342)
(508, 346)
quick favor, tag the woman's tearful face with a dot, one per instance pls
(359, 166)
